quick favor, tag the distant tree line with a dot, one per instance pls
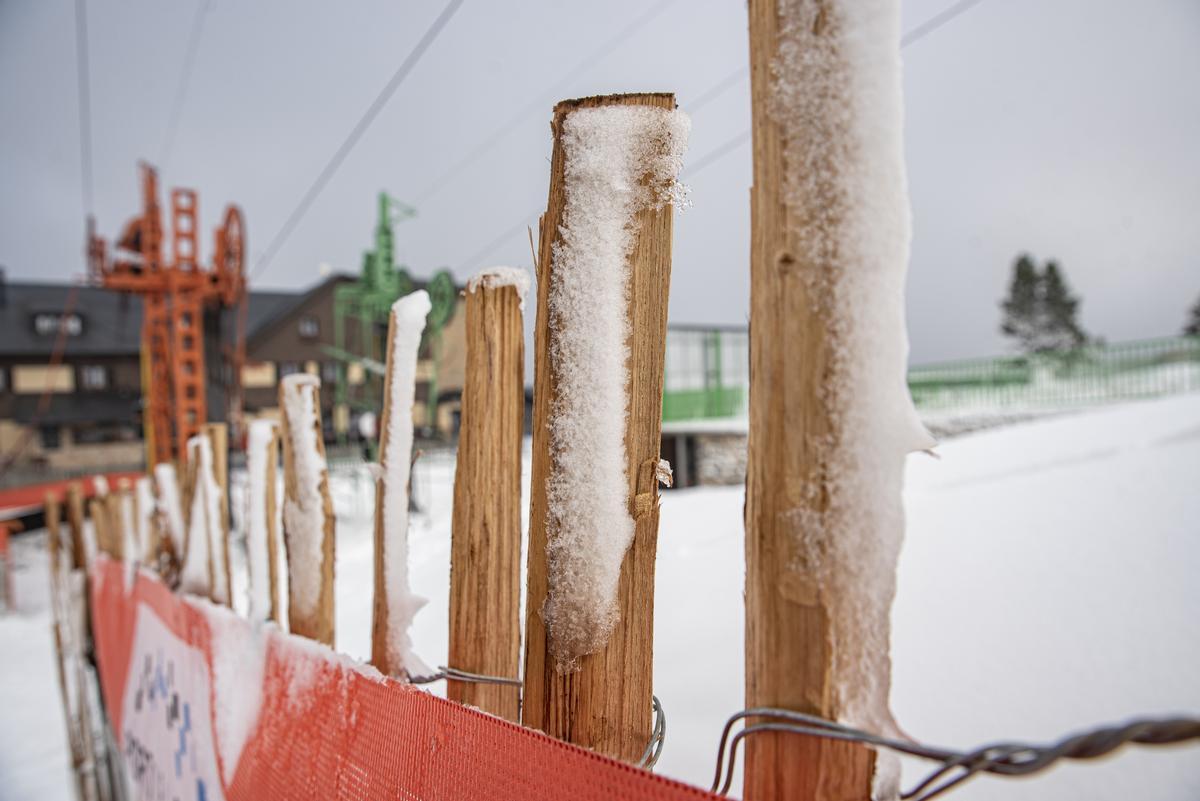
(1040, 312)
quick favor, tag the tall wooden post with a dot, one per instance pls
(309, 525)
(75, 514)
(606, 703)
(830, 419)
(485, 551)
(218, 438)
(273, 529)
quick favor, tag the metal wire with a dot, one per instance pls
(1003, 759)
(454, 674)
(658, 736)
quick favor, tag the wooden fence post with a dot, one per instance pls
(308, 520)
(262, 533)
(485, 550)
(604, 704)
(75, 514)
(828, 434)
(218, 437)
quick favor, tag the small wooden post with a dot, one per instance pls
(218, 438)
(605, 704)
(485, 551)
(75, 512)
(53, 513)
(316, 623)
(273, 528)
(102, 525)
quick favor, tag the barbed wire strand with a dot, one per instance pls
(1002, 759)
(658, 736)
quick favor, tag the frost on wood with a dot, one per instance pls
(496, 277)
(170, 505)
(836, 95)
(304, 515)
(146, 513)
(194, 574)
(409, 313)
(619, 160)
(239, 658)
(258, 554)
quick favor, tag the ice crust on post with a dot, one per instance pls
(257, 443)
(836, 93)
(409, 313)
(170, 505)
(304, 517)
(495, 277)
(146, 512)
(619, 160)
(194, 576)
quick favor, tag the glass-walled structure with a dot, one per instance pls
(707, 373)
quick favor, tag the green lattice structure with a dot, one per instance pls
(360, 319)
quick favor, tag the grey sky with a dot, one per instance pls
(1068, 128)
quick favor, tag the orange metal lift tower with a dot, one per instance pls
(175, 294)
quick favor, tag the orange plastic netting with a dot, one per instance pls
(206, 706)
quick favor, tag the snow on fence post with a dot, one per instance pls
(308, 521)
(170, 507)
(485, 549)
(102, 522)
(147, 521)
(604, 266)
(830, 416)
(218, 437)
(262, 534)
(394, 604)
(201, 496)
(75, 513)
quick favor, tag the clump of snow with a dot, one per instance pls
(257, 445)
(130, 550)
(239, 657)
(495, 277)
(194, 573)
(143, 490)
(836, 95)
(100, 485)
(619, 160)
(409, 313)
(304, 515)
(169, 504)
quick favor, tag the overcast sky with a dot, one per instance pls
(1068, 128)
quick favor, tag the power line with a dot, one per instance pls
(539, 103)
(356, 133)
(85, 104)
(185, 76)
(734, 142)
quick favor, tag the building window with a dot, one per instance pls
(49, 436)
(93, 377)
(46, 324)
(30, 379)
(288, 368)
(309, 327)
(3, 380)
(329, 373)
(258, 375)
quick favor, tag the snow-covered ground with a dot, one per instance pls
(1049, 581)
(35, 762)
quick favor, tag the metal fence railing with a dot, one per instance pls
(1089, 375)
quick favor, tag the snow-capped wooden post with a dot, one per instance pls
(75, 513)
(308, 521)
(830, 417)
(218, 437)
(604, 266)
(485, 550)
(262, 533)
(52, 511)
(394, 604)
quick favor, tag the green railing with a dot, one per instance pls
(1089, 375)
(697, 404)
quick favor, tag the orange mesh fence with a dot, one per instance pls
(206, 706)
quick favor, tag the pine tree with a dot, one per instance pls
(1192, 327)
(1058, 327)
(1021, 306)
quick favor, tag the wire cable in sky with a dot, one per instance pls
(539, 103)
(185, 77)
(356, 133)
(85, 105)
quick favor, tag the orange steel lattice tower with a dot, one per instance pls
(175, 295)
